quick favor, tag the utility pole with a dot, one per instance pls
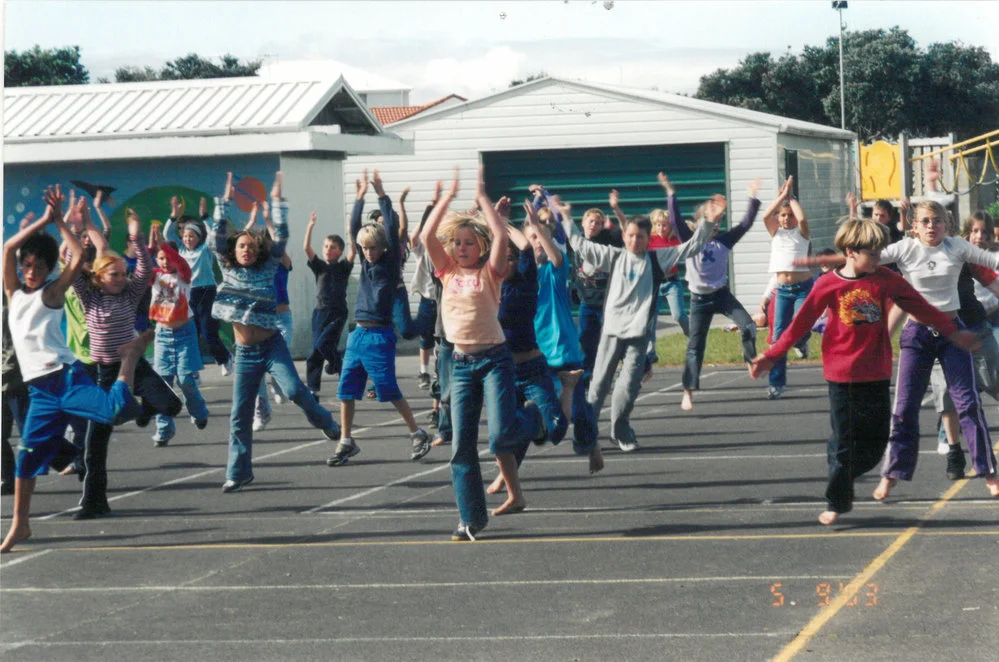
(839, 6)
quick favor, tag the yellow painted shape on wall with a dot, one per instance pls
(880, 171)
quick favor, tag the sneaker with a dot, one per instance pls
(260, 422)
(801, 352)
(200, 424)
(774, 392)
(226, 368)
(423, 381)
(235, 485)
(330, 369)
(161, 440)
(626, 446)
(942, 446)
(955, 463)
(345, 450)
(421, 444)
(465, 533)
(332, 432)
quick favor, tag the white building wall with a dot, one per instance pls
(310, 182)
(560, 115)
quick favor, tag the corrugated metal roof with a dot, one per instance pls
(168, 108)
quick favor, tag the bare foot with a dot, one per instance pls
(510, 507)
(438, 441)
(687, 404)
(992, 483)
(883, 489)
(596, 459)
(828, 517)
(498, 485)
(68, 471)
(18, 533)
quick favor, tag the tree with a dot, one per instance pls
(50, 66)
(189, 67)
(892, 86)
(536, 76)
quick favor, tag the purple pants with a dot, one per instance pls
(921, 346)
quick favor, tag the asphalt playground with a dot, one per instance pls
(703, 545)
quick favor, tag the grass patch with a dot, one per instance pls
(725, 347)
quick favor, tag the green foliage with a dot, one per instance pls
(50, 66)
(536, 76)
(189, 67)
(993, 210)
(892, 86)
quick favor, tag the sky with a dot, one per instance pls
(477, 48)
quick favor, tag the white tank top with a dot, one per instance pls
(37, 333)
(785, 247)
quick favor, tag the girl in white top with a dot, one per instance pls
(790, 235)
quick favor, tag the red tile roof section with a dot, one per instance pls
(389, 114)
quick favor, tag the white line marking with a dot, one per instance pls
(27, 557)
(420, 585)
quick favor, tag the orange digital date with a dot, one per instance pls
(867, 595)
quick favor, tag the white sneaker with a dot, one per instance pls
(626, 446)
(278, 396)
(226, 368)
(259, 423)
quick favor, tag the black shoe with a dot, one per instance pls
(235, 485)
(7, 487)
(465, 533)
(142, 420)
(93, 512)
(955, 463)
(345, 450)
(435, 417)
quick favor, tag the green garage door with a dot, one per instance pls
(585, 176)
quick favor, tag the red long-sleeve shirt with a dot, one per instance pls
(856, 346)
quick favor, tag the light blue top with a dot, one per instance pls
(554, 327)
(201, 260)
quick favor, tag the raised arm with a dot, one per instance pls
(770, 215)
(738, 232)
(435, 249)
(361, 189)
(713, 210)
(144, 262)
(170, 231)
(98, 203)
(388, 216)
(278, 219)
(598, 255)
(518, 238)
(851, 205)
(307, 245)
(252, 222)
(551, 250)
(680, 227)
(221, 225)
(11, 282)
(799, 214)
(614, 200)
(97, 238)
(414, 240)
(499, 249)
(403, 218)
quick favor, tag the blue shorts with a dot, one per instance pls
(370, 351)
(54, 399)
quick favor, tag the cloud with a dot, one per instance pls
(475, 76)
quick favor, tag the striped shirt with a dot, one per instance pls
(111, 317)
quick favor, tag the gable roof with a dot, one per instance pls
(389, 114)
(218, 106)
(776, 122)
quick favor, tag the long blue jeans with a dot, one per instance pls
(702, 309)
(408, 326)
(177, 354)
(251, 363)
(584, 424)
(535, 383)
(488, 377)
(788, 301)
(673, 291)
(445, 364)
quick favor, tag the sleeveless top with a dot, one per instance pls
(37, 334)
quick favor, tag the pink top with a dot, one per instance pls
(470, 305)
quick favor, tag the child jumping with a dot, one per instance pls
(371, 345)
(857, 354)
(59, 386)
(330, 314)
(248, 300)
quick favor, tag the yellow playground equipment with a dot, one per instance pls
(884, 166)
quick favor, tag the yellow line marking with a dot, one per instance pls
(812, 628)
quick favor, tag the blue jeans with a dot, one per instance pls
(445, 364)
(251, 363)
(584, 430)
(177, 354)
(789, 300)
(702, 308)
(422, 325)
(286, 327)
(476, 378)
(535, 383)
(672, 290)
(202, 299)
